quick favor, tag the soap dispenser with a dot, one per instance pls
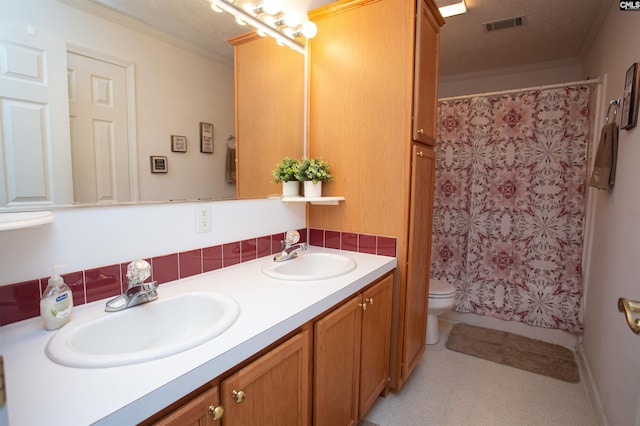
(56, 303)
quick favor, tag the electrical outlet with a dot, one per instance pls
(203, 218)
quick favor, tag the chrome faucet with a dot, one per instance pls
(137, 292)
(289, 247)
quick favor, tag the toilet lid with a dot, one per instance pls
(439, 288)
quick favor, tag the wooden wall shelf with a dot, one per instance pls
(326, 201)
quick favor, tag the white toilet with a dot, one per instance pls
(441, 298)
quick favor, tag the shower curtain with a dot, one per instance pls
(509, 204)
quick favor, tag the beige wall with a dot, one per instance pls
(509, 78)
(614, 265)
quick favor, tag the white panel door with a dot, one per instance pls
(35, 154)
(99, 132)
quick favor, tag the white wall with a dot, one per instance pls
(509, 78)
(176, 89)
(614, 266)
(87, 237)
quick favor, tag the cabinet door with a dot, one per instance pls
(273, 390)
(419, 256)
(203, 410)
(376, 335)
(336, 365)
(425, 84)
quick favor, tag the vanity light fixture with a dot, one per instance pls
(284, 20)
(452, 8)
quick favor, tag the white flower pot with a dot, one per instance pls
(312, 190)
(291, 188)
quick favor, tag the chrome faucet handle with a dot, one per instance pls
(292, 237)
(137, 272)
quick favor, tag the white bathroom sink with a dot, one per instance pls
(309, 267)
(142, 333)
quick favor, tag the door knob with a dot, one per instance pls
(630, 308)
(238, 395)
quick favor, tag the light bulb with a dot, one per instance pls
(250, 8)
(292, 18)
(271, 6)
(309, 29)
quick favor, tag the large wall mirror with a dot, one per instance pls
(111, 101)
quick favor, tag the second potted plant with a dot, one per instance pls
(313, 172)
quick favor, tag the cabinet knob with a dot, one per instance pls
(363, 306)
(238, 395)
(419, 153)
(420, 131)
(369, 300)
(216, 412)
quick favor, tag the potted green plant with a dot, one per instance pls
(285, 172)
(313, 172)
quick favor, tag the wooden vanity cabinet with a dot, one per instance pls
(202, 410)
(351, 356)
(273, 390)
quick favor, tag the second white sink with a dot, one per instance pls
(145, 332)
(310, 266)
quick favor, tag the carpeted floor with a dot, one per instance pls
(516, 351)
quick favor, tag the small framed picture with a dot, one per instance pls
(206, 138)
(159, 164)
(178, 143)
(630, 98)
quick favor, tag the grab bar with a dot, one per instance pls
(630, 307)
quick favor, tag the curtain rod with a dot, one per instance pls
(525, 89)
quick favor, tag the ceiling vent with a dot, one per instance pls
(504, 24)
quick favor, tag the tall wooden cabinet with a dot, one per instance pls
(363, 98)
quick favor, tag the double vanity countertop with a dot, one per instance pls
(40, 391)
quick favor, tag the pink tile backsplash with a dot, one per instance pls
(190, 263)
(21, 301)
(165, 268)
(231, 253)
(102, 282)
(211, 258)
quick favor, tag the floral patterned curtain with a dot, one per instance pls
(509, 204)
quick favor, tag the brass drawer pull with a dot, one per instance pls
(630, 307)
(216, 412)
(238, 395)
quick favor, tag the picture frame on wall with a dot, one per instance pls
(178, 143)
(159, 164)
(206, 138)
(630, 98)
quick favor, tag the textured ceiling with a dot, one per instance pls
(553, 30)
